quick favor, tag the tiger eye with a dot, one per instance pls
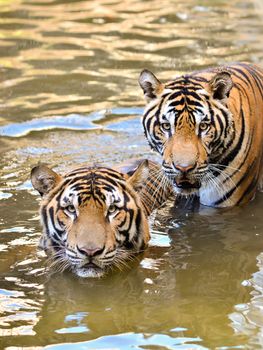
(112, 208)
(71, 209)
(203, 126)
(166, 126)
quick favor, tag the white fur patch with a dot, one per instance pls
(89, 272)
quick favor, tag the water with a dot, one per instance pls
(69, 96)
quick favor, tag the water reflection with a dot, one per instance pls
(181, 285)
(74, 65)
(113, 120)
(91, 52)
(248, 317)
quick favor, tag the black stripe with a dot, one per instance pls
(251, 188)
(51, 216)
(231, 156)
(230, 192)
(138, 221)
(235, 70)
(45, 219)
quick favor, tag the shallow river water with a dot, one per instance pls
(69, 96)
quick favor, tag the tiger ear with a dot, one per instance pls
(151, 86)
(221, 84)
(44, 179)
(128, 167)
(139, 176)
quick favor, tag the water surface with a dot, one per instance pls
(69, 96)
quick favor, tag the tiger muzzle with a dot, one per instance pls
(184, 178)
(186, 181)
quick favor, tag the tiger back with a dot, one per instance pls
(208, 128)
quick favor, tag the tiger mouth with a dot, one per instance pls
(89, 270)
(186, 186)
(90, 265)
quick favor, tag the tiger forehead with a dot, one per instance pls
(185, 82)
(94, 173)
(185, 94)
(183, 97)
(93, 183)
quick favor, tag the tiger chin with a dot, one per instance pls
(208, 128)
(94, 218)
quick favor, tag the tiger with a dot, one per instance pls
(207, 127)
(95, 218)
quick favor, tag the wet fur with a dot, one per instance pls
(76, 214)
(215, 118)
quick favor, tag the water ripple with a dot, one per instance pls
(73, 122)
(134, 341)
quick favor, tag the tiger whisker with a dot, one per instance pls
(225, 175)
(224, 166)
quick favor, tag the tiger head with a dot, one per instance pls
(188, 122)
(93, 218)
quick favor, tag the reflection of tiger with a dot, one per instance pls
(96, 217)
(208, 127)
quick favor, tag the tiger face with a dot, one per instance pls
(92, 218)
(189, 124)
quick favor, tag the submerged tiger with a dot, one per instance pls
(94, 218)
(208, 127)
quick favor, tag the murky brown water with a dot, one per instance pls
(68, 96)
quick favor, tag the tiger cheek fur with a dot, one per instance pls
(55, 223)
(212, 121)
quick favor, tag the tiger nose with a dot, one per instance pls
(185, 168)
(90, 251)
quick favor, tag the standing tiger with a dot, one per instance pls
(208, 127)
(95, 218)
